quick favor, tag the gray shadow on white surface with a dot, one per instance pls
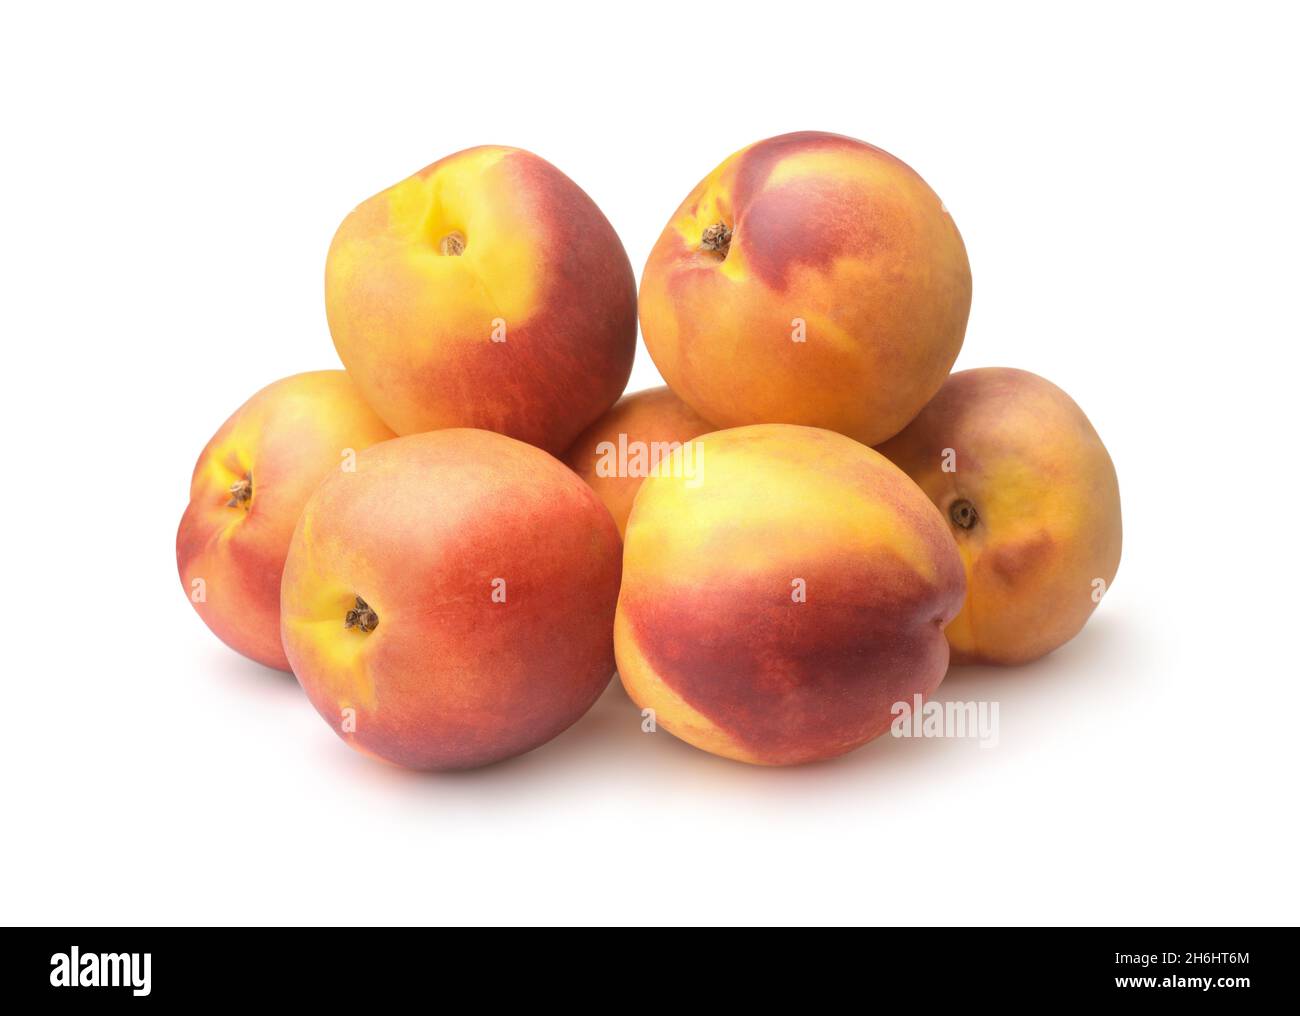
(1098, 667)
(607, 747)
(243, 676)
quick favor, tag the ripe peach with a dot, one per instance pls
(809, 279)
(776, 606)
(1031, 496)
(247, 492)
(487, 290)
(620, 449)
(450, 603)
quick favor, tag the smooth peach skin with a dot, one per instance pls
(1046, 499)
(616, 452)
(708, 631)
(541, 268)
(827, 230)
(450, 678)
(287, 438)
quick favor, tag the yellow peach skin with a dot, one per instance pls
(1030, 494)
(488, 291)
(777, 605)
(247, 491)
(450, 603)
(809, 279)
(618, 451)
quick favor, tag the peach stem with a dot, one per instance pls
(361, 616)
(717, 238)
(241, 492)
(963, 513)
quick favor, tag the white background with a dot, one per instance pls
(1125, 179)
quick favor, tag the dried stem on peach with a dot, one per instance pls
(717, 238)
(963, 513)
(361, 616)
(241, 492)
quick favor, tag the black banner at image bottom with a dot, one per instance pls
(150, 966)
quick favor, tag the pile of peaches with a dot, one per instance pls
(456, 541)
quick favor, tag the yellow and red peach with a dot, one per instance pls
(620, 449)
(1031, 496)
(809, 279)
(450, 603)
(778, 603)
(247, 491)
(489, 291)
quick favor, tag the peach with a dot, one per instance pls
(809, 279)
(247, 491)
(783, 595)
(489, 291)
(1031, 496)
(620, 449)
(450, 603)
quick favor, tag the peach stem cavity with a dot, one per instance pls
(241, 492)
(361, 616)
(717, 238)
(452, 245)
(963, 513)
